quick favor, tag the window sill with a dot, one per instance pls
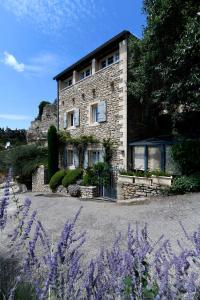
(71, 127)
(94, 124)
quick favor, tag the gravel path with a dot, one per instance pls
(103, 220)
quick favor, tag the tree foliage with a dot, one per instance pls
(164, 65)
(16, 137)
(52, 151)
(24, 160)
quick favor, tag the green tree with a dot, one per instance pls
(52, 151)
(164, 69)
(24, 160)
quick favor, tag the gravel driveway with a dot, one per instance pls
(103, 220)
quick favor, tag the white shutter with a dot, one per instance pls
(101, 112)
(65, 120)
(76, 158)
(85, 163)
(77, 117)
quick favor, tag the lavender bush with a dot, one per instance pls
(140, 270)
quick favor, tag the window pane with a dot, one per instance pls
(103, 64)
(110, 60)
(70, 82)
(138, 158)
(94, 113)
(87, 73)
(154, 158)
(72, 119)
(82, 75)
(70, 157)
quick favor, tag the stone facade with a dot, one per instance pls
(39, 128)
(108, 84)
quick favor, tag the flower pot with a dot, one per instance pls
(143, 180)
(162, 180)
(125, 178)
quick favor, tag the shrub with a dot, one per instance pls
(71, 177)
(186, 184)
(56, 179)
(98, 175)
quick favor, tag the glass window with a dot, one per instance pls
(87, 72)
(70, 82)
(93, 157)
(94, 113)
(110, 60)
(70, 119)
(138, 157)
(154, 158)
(82, 75)
(103, 64)
(69, 157)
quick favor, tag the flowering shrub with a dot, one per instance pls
(141, 270)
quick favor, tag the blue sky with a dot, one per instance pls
(40, 38)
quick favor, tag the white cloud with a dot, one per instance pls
(38, 65)
(11, 61)
(53, 15)
(14, 117)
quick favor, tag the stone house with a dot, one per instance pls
(93, 100)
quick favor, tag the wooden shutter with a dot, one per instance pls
(101, 112)
(85, 163)
(77, 117)
(65, 120)
(76, 159)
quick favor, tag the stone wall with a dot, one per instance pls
(39, 128)
(88, 192)
(128, 189)
(131, 190)
(109, 85)
(38, 181)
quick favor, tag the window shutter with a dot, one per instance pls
(85, 163)
(65, 120)
(76, 159)
(77, 117)
(101, 112)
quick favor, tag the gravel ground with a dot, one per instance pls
(103, 220)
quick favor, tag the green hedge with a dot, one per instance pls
(71, 177)
(184, 184)
(56, 179)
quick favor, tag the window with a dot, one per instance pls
(68, 82)
(94, 113)
(98, 112)
(103, 64)
(109, 60)
(71, 119)
(85, 73)
(70, 157)
(93, 157)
